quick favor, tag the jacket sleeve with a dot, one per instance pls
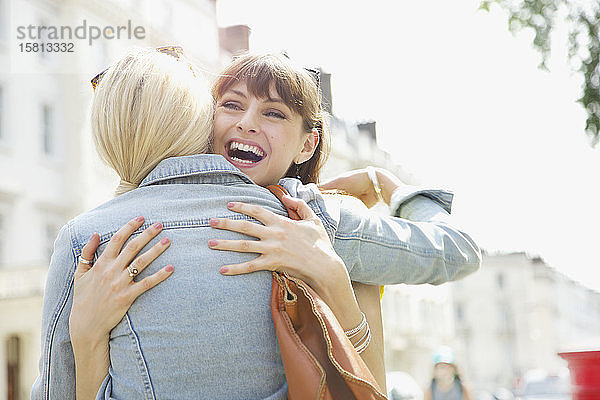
(56, 378)
(417, 245)
(379, 249)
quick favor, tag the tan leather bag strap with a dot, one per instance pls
(280, 191)
(319, 360)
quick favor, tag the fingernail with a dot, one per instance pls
(231, 204)
(157, 225)
(212, 242)
(224, 270)
(140, 219)
(169, 268)
(213, 222)
(93, 235)
(164, 241)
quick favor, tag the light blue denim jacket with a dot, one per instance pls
(202, 335)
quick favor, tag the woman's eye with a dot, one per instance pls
(275, 114)
(231, 105)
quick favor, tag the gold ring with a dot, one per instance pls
(132, 271)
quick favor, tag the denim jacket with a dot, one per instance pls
(202, 335)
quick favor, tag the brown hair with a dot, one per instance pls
(296, 87)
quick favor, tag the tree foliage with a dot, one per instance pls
(582, 19)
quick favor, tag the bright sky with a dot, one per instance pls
(460, 103)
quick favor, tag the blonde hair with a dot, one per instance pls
(147, 107)
(298, 90)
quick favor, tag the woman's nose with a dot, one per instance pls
(248, 123)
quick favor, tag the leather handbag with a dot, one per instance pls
(319, 360)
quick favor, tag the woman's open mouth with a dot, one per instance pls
(245, 155)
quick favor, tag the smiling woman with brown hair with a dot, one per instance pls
(201, 333)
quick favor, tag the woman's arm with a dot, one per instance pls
(102, 295)
(303, 249)
(300, 248)
(365, 186)
(359, 184)
(368, 298)
(419, 245)
(388, 250)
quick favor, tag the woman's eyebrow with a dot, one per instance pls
(238, 92)
(275, 100)
(279, 100)
(268, 99)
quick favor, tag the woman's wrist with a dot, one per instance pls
(92, 363)
(388, 184)
(86, 344)
(360, 336)
(352, 320)
(372, 173)
(348, 315)
(338, 294)
(88, 338)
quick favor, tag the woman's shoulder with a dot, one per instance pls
(324, 205)
(104, 219)
(307, 192)
(327, 199)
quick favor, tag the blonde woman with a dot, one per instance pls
(199, 334)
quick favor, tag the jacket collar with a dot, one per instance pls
(205, 166)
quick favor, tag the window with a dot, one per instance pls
(459, 312)
(3, 24)
(1, 110)
(1, 239)
(5, 214)
(13, 358)
(47, 129)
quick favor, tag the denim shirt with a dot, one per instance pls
(202, 335)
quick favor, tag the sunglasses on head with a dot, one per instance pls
(173, 51)
(316, 75)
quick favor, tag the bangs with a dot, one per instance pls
(260, 73)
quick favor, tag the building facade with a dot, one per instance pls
(49, 171)
(417, 320)
(515, 315)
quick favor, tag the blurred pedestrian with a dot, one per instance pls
(446, 383)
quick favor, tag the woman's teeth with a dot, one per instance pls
(242, 161)
(245, 153)
(245, 147)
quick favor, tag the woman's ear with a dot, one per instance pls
(309, 147)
